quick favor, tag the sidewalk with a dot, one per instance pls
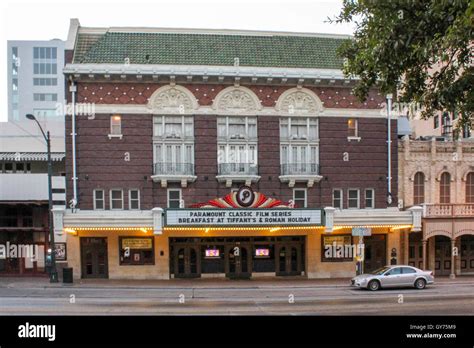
(16, 282)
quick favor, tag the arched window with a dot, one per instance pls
(470, 188)
(445, 188)
(419, 188)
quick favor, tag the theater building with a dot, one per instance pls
(439, 176)
(224, 154)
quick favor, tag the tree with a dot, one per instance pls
(420, 50)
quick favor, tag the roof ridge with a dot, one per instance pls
(216, 49)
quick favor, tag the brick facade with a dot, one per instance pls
(101, 161)
(139, 93)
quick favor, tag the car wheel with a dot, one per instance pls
(420, 284)
(373, 285)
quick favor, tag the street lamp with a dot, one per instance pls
(53, 275)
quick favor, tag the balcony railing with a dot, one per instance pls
(170, 168)
(300, 169)
(238, 169)
(449, 210)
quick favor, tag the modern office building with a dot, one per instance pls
(35, 79)
(35, 86)
(224, 153)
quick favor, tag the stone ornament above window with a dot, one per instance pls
(236, 100)
(299, 101)
(172, 100)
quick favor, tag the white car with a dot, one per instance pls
(398, 276)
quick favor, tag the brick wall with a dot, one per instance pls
(101, 161)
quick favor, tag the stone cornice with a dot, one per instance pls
(203, 70)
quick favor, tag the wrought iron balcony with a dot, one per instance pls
(300, 169)
(171, 168)
(237, 169)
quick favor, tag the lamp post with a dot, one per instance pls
(53, 275)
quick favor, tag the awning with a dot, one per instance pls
(31, 156)
(73, 221)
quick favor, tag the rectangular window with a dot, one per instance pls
(337, 248)
(299, 146)
(45, 68)
(353, 199)
(116, 125)
(236, 153)
(298, 129)
(8, 168)
(45, 81)
(137, 250)
(435, 121)
(370, 198)
(352, 128)
(20, 168)
(134, 199)
(337, 198)
(174, 198)
(299, 197)
(116, 199)
(237, 128)
(48, 97)
(99, 200)
(173, 127)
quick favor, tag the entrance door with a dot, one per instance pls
(238, 261)
(94, 257)
(415, 250)
(375, 250)
(187, 262)
(288, 259)
(442, 255)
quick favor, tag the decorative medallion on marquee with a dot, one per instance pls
(236, 100)
(245, 197)
(299, 101)
(172, 100)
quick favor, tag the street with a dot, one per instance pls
(224, 297)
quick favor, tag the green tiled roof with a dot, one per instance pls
(290, 51)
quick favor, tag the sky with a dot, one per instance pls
(37, 20)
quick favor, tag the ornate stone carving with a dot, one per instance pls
(172, 100)
(299, 101)
(236, 100)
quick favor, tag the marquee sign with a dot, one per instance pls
(243, 217)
